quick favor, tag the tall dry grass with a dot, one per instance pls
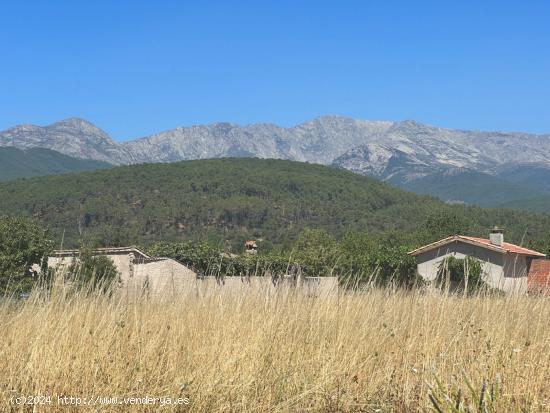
(379, 350)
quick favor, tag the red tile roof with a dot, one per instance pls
(514, 249)
(480, 242)
(538, 279)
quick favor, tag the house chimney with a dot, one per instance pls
(496, 237)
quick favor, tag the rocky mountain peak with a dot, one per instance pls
(384, 149)
(74, 137)
(412, 127)
(76, 123)
(82, 130)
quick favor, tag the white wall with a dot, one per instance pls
(168, 276)
(516, 269)
(157, 275)
(165, 275)
(121, 261)
(322, 287)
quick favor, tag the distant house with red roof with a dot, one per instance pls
(506, 266)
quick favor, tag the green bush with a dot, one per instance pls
(460, 274)
(93, 271)
(24, 249)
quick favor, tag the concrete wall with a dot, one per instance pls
(167, 276)
(138, 273)
(122, 262)
(516, 269)
(507, 272)
(322, 287)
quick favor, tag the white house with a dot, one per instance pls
(506, 266)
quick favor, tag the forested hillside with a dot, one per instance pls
(229, 200)
(537, 204)
(471, 187)
(18, 163)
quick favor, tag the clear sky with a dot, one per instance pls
(134, 68)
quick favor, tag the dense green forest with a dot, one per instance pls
(471, 187)
(225, 201)
(537, 204)
(16, 163)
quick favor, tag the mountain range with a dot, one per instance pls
(484, 168)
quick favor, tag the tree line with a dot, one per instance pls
(356, 257)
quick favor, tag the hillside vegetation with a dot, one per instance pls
(537, 204)
(229, 200)
(18, 163)
(530, 176)
(471, 187)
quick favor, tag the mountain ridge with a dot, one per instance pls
(74, 137)
(320, 130)
(399, 152)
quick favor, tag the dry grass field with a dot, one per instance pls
(375, 351)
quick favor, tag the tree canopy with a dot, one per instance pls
(24, 249)
(227, 201)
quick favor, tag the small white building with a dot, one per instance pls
(137, 270)
(506, 266)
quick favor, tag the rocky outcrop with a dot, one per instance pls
(74, 137)
(413, 150)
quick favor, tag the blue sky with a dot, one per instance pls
(134, 68)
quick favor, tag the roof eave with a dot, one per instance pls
(106, 251)
(455, 238)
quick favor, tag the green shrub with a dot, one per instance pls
(94, 271)
(461, 274)
(24, 249)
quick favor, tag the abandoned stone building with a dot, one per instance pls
(137, 269)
